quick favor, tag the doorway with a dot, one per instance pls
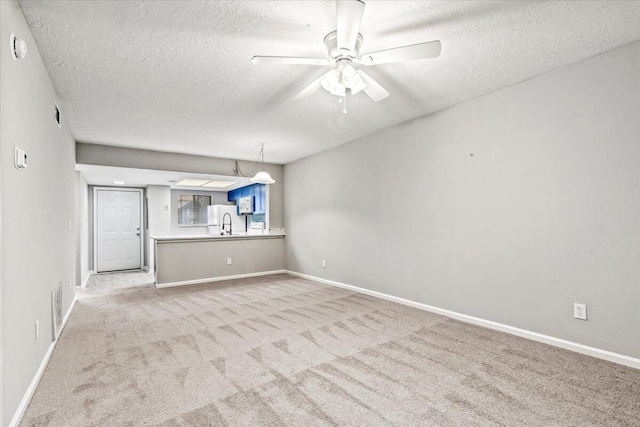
(117, 229)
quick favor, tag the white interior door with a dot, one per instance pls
(118, 230)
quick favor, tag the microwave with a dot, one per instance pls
(245, 205)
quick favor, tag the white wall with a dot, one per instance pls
(159, 198)
(159, 218)
(544, 214)
(38, 246)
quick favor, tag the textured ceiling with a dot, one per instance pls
(177, 76)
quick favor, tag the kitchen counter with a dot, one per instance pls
(273, 234)
(203, 258)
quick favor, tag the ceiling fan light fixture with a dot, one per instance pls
(349, 76)
(340, 90)
(343, 48)
(262, 178)
(358, 86)
(331, 80)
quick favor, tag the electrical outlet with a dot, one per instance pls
(37, 330)
(580, 311)
(228, 261)
(324, 263)
(69, 224)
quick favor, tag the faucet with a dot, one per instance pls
(223, 223)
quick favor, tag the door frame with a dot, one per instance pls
(95, 222)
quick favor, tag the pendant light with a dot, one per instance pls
(262, 177)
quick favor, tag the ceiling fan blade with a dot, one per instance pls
(311, 89)
(284, 60)
(373, 88)
(348, 19)
(405, 53)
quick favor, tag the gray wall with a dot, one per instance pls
(91, 154)
(38, 248)
(82, 229)
(545, 213)
(194, 260)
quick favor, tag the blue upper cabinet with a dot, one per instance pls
(232, 195)
(259, 193)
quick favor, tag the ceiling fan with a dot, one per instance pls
(343, 47)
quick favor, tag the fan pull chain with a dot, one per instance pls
(344, 104)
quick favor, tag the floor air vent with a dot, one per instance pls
(56, 310)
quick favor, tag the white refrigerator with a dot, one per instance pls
(215, 217)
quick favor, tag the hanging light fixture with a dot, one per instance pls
(262, 177)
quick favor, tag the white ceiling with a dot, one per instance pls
(105, 175)
(176, 75)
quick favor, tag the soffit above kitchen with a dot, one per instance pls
(130, 177)
(177, 76)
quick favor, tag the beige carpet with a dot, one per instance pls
(280, 350)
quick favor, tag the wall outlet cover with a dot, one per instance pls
(580, 311)
(228, 261)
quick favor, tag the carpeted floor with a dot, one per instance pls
(279, 350)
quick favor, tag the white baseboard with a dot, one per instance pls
(86, 278)
(219, 279)
(557, 342)
(26, 399)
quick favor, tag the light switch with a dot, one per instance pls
(20, 160)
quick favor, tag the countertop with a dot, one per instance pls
(271, 234)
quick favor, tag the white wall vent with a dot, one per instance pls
(56, 311)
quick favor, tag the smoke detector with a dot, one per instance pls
(18, 47)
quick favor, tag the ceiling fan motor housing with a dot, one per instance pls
(331, 42)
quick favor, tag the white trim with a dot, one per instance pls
(95, 222)
(26, 399)
(557, 342)
(86, 279)
(219, 279)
